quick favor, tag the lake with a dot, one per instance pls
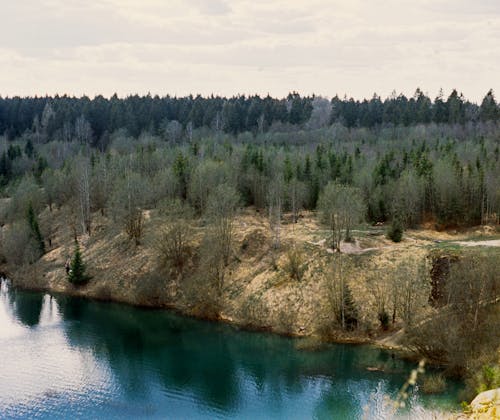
(65, 357)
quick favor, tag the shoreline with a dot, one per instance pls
(178, 309)
(306, 342)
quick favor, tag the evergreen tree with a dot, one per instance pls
(348, 316)
(29, 150)
(77, 274)
(35, 229)
(5, 169)
(395, 232)
(180, 168)
(489, 109)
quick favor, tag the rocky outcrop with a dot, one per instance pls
(486, 405)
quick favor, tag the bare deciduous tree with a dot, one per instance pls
(340, 296)
(82, 179)
(83, 130)
(275, 209)
(128, 203)
(296, 196)
(205, 178)
(221, 210)
(217, 245)
(174, 245)
(340, 207)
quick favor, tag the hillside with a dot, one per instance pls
(258, 291)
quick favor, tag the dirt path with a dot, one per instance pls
(491, 242)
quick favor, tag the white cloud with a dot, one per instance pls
(249, 46)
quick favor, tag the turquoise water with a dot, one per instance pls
(65, 357)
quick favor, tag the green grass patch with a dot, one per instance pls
(445, 245)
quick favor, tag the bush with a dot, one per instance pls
(130, 197)
(255, 312)
(295, 266)
(383, 317)
(174, 246)
(463, 337)
(76, 274)
(395, 232)
(26, 194)
(487, 378)
(19, 246)
(434, 384)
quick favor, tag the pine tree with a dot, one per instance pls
(29, 150)
(489, 109)
(35, 229)
(77, 274)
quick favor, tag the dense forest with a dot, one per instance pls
(410, 161)
(65, 118)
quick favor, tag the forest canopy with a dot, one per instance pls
(64, 117)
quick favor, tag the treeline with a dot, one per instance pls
(171, 118)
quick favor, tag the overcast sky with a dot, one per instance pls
(327, 47)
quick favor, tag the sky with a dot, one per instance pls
(229, 47)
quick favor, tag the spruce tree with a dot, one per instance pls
(35, 229)
(350, 313)
(77, 274)
(395, 232)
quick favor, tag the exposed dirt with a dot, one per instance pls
(491, 242)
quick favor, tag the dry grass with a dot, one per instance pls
(433, 383)
(259, 289)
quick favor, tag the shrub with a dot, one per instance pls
(395, 232)
(487, 378)
(462, 336)
(19, 246)
(295, 266)
(383, 317)
(26, 194)
(174, 246)
(434, 384)
(134, 225)
(255, 311)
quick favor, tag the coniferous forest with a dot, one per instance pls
(414, 160)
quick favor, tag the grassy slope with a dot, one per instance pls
(258, 292)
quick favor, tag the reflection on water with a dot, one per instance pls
(67, 357)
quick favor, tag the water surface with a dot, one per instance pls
(64, 357)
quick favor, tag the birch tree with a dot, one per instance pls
(342, 302)
(82, 178)
(296, 191)
(340, 206)
(83, 130)
(217, 244)
(275, 209)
